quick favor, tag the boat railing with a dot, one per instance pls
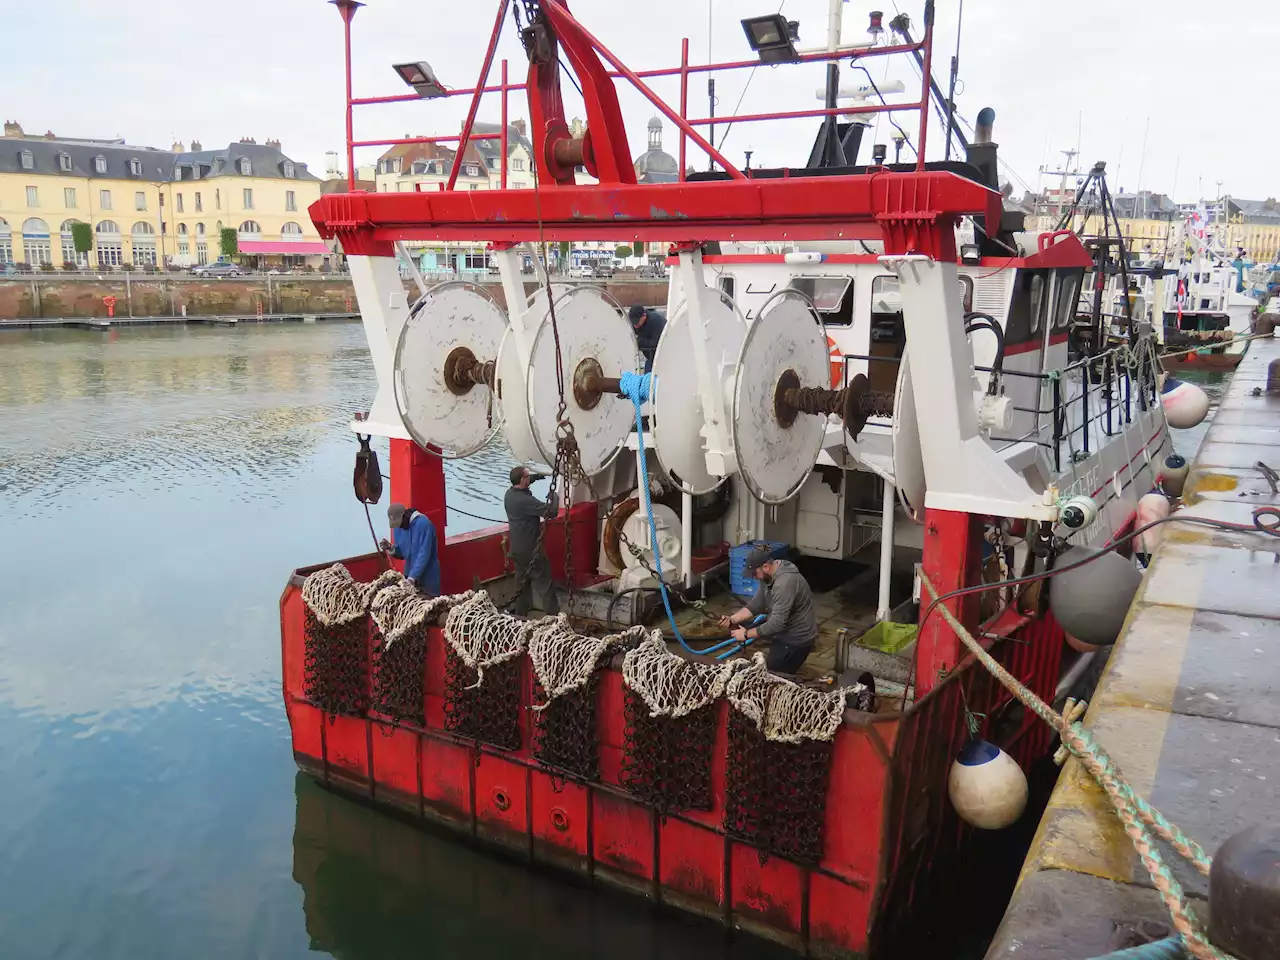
(1101, 397)
(688, 126)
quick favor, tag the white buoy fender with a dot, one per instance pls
(1152, 507)
(1185, 404)
(986, 786)
(1092, 601)
(1173, 475)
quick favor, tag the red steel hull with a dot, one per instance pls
(888, 828)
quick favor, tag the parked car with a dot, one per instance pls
(220, 268)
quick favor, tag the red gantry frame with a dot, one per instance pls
(912, 212)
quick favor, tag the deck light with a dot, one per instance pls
(970, 253)
(422, 78)
(773, 37)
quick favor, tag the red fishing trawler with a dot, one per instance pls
(869, 365)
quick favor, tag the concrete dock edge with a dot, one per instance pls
(1188, 705)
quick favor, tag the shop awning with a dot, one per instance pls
(306, 248)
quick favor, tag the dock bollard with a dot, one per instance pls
(1244, 895)
(1273, 377)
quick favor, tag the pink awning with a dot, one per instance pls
(306, 248)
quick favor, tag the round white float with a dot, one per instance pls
(1185, 404)
(450, 320)
(908, 461)
(986, 786)
(676, 411)
(774, 459)
(1152, 507)
(592, 330)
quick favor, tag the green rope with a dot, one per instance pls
(1138, 817)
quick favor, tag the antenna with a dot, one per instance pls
(951, 91)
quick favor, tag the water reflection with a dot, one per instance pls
(375, 887)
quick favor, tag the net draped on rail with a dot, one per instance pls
(399, 608)
(563, 661)
(336, 598)
(671, 686)
(483, 637)
(783, 711)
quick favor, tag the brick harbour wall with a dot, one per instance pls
(156, 296)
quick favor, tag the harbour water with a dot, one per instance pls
(156, 487)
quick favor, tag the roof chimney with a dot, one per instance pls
(13, 129)
(519, 127)
(50, 135)
(274, 144)
(195, 146)
(178, 147)
(248, 140)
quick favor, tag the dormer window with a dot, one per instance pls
(246, 168)
(27, 160)
(99, 164)
(135, 167)
(288, 169)
(64, 162)
(472, 170)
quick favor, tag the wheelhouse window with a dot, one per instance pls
(1028, 306)
(832, 297)
(1068, 296)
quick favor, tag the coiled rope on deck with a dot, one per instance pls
(1137, 816)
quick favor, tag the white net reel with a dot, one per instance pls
(444, 368)
(775, 442)
(678, 418)
(593, 344)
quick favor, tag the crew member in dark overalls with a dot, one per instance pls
(648, 325)
(525, 514)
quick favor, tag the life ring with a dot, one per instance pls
(836, 356)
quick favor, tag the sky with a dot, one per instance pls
(1173, 96)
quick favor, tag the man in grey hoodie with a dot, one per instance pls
(792, 626)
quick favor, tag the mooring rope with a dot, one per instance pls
(1137, 816)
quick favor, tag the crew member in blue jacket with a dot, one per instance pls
(414, 537)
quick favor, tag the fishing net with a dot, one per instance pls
(670, 730)
(482, 675)
(566, 671)
(780, 744)
(401, 617)
(336, 639)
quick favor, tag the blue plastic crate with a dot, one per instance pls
(739, 582)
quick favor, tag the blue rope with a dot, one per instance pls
(1168, 949)
(636, 387)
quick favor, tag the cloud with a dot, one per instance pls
(153, 70)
